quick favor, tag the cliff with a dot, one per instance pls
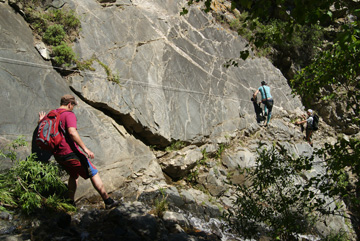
(171, 86)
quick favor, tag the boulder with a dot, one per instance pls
(179, 163)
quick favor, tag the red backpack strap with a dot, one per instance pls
(60, 127)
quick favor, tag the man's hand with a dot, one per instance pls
(42, 114)
(89, 153)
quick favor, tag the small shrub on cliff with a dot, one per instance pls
(110, 76)
(221, 150)
(54, 35)
(36, 20)
(41, 19)
(176, 145)
(67, 19)
(54, 27)
(63, 54)
(85, 64)
(161, 204)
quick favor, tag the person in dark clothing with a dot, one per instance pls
(309, 123)
(258, 111)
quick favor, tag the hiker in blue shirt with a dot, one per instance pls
(266, 99)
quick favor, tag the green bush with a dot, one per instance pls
(67, 19)
(56, 27)
(63, 54)
(36, 19)
(270, 35)
(54, 35)
(30, 185)
(276, 200)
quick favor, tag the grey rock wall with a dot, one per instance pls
(30, 85)
(172, 83)
(173, 86)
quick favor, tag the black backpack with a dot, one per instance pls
(315, 124)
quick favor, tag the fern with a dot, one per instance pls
(30, 185)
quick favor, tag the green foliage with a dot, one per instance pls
(332, 70)
(85, 64)
(342, 159)
(110, 76)
(184, 12)
(193, 176)
(175, 146)
(340, 236)
(279, 201)
(161, 204)
(272, 34)
(67, 19)
(36, 20)
(205, 157)
(11, 148)
(220, 150)
(30, 185)
(57, 28)
(54, 35)
(336, 68)
(41, 20)
(63, 54)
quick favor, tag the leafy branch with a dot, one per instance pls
(280, 200)
(30, 184)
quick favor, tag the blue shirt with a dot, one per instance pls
(267, 90)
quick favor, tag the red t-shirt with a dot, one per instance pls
(67, 145)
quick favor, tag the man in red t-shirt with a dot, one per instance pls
(71, 158)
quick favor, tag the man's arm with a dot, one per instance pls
(74, 135)
(300, 122)
(256, 92)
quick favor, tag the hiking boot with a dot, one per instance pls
(111, 203)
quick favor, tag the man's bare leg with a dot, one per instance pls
(72, 185)
(99, 186)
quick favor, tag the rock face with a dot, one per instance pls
(172, 85)
(30, 85)
(172, 82)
